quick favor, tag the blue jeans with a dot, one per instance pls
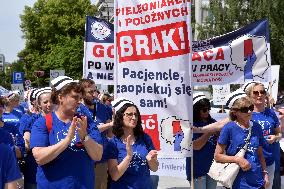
(155, 181)
(204, 182)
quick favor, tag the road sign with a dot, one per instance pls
(18, 77)
(28, 83)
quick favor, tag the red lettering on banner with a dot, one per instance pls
(100, 51)
(153, 43)
(150, 126)
(208, 55)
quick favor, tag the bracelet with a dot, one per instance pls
(265, 172)
(86, 138)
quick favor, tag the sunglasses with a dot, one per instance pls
(205, 109)
(257, 93)
(130, 115)
(246, 109)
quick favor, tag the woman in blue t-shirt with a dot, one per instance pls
(252, 173)
(64, 145)
(11, 119)
(269, 123)
(40, 100)
(130, 152)
(9, 170)
(203, 145)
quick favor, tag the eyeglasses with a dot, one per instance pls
(246, 109)
(206, 109)
(130, 115)
(257, 93)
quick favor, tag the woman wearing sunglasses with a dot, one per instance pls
(269, 122)
(252, 173)
(203, 145)
(131, 154)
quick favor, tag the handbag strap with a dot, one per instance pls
(248, 137)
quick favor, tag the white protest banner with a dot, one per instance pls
(219, 93)
(174, 167)
(99, 51)
(272, 85)
(18, 87)
(152, 69)
(237, 56)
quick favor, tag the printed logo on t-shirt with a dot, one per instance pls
(75, 144)
(137, 161)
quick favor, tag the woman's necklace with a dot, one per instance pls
(241, 125)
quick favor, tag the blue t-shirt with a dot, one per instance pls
(137, 175)
(18, 138)
(102, 114)
(9, 170)
(73, 168)
(82, 109)
(202, 159)
(6, 138)
(12, 118)
(27, 121)
(268, 122)
(233, 136)
(30, 168)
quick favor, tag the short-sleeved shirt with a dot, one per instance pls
(202, 159)
(12, 118)
(233, 136)
(137, 175)
(9, 170)
(73, 168)
(18, 138)
(268, 122)
(30, 169)
(27, 121)
(102, 113)
(6, 138)
(89, 113)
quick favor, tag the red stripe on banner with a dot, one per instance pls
(150, 125)
(176, 127)
(153, 43)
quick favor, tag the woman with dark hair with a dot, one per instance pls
(203, 145)
(64, 144)
(131, 152)
(252, 173)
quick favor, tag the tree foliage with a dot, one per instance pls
(54, 31)
(228, 15)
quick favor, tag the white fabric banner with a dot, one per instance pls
(99, 49)
(234, 57)
(152, 69)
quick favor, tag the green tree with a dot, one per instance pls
(228, 15)
(54, 31)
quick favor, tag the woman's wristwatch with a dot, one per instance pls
(86, 138)
(265, 172)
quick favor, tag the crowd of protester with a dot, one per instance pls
(71, 136)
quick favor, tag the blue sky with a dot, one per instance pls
(11, 41)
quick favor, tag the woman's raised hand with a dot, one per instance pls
(129, 151)
(81, 126)
(71, 130)
(152, 155)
